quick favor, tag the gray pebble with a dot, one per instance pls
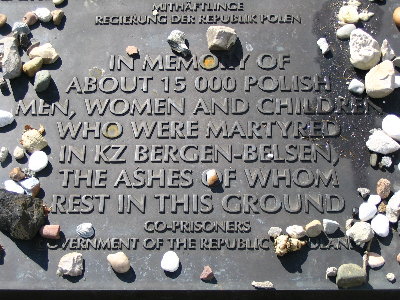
(42, 81)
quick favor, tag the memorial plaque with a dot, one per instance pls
(132, 137)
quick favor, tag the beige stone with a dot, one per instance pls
(380, 81)
(132, 50)
(119, 262)
(46, 51)
(3, 20)
(31, 67)
(57, 14)
(30, 18)
(314, 228)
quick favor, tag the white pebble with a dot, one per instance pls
(43, 14)
(85, 230)
(19, 153)
(3, 154)
(380, 142)
(386, 161)
(380, 225)
(58, 2)
(356, 87)
(170, 261)
(391, 126)
(348, 14)
(344, 32)
(397, 81)
(12, 186)
(330, 226)
(6, 118)
(367, 211)
(374, 199)
(274, 232)
(295, 231)
(390, 277)
(38, 161)
(323, 45)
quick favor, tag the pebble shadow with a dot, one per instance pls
(54, 66)
(9, 127)
(292, 262)
(39, 256)
(174, 275)
(6, 29)
(127, 277)
(7, 162)
(19, 87)
(51, 94)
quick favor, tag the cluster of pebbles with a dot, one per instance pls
(39, 55)
(383, 142)
(375, 214)
(292, 240)
(366, 54)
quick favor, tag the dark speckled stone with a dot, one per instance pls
(20, 215)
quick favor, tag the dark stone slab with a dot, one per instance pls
(102, 176)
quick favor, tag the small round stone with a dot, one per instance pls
(170, 261)
(375, 260)
(295, 231)
(3, 20)
(119, 262)
(58, 15)
(374, 199)
(391, 277)
(58, 2)
(380, 225)
(314, 228)
(30, 18)
(38, 161)
(367, 211)
(42, 81)
(396, 16)
(43, 14)
(398, 258)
